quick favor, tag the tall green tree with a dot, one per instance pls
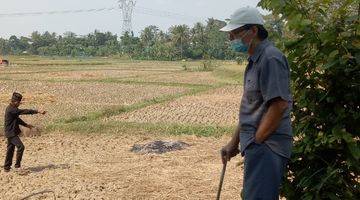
(148, 38)
(199, 40)
(130, 45)
(41, 40)
(275, 25)
(5, 48)
(180, 36)
(163, 48)
(217, 41)
(17, 45)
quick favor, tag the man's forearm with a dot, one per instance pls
(27, 112)
(271, 120)
(236, 138)
(22, 123)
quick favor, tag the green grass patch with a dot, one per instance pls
(134, 82)
(187, 129)
(113, 80)
(133, 128)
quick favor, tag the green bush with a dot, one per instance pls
(208, 65)
(322, 44)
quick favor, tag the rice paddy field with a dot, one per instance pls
(98, 108)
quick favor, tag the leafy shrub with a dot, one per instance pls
(323, 50)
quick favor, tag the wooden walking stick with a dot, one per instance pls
(221, 180)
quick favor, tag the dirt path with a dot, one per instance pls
(65, 166)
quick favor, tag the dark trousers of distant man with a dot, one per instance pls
(12, 143)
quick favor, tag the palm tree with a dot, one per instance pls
(180, 35)
(198, 39)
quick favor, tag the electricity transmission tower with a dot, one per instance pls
(127, 7)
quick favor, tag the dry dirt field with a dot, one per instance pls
(99, 108)
(65, 166)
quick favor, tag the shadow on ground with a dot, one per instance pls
(39, 193)
(47, 167)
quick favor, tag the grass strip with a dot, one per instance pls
(133, 128)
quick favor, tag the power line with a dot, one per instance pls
(137, 9)
(166, 14)
(23, 14)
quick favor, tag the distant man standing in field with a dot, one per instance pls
(264, 131)
(12, 130)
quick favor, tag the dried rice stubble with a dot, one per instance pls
(64, 100)
(216, 107)
(180, 77)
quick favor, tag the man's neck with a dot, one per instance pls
(253, 46)
(13, 105)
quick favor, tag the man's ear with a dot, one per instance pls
(254, 30)
(231, 36)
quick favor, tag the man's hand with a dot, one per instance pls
(229, 151)
(258, 140)
(43, 112)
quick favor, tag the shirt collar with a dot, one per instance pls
(259, 50)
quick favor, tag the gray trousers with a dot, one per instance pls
(263, 172)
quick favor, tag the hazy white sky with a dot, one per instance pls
(83, 23)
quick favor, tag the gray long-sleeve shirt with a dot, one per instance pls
(12, 120)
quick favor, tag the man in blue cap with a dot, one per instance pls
(264, 131)
(12, 130)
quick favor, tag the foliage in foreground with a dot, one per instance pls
(324, 54)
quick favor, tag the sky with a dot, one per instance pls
(162, 13)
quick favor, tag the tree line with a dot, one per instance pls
(202, 41)
(179, 42)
